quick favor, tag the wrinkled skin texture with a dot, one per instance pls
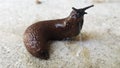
(38, 35)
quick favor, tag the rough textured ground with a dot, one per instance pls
(98, 46)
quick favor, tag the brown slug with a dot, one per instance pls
(37, 36)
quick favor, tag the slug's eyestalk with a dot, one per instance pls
(87, 7)
(74, 9)
(81, 12)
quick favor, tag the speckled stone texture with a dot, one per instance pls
(98, 45)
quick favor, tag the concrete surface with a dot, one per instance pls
(98, 46)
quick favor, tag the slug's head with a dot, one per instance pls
(81, 12)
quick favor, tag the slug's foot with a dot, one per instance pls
(67, 39)
(44, 54)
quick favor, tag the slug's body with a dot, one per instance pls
(37, 36)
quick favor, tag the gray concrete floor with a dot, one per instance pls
(98, 45)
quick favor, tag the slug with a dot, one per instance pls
(38, 35)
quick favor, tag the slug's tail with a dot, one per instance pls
(44, 54)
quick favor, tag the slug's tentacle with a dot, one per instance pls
(87, 7)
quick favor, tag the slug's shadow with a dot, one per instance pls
(85, 36)
(88, 36)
